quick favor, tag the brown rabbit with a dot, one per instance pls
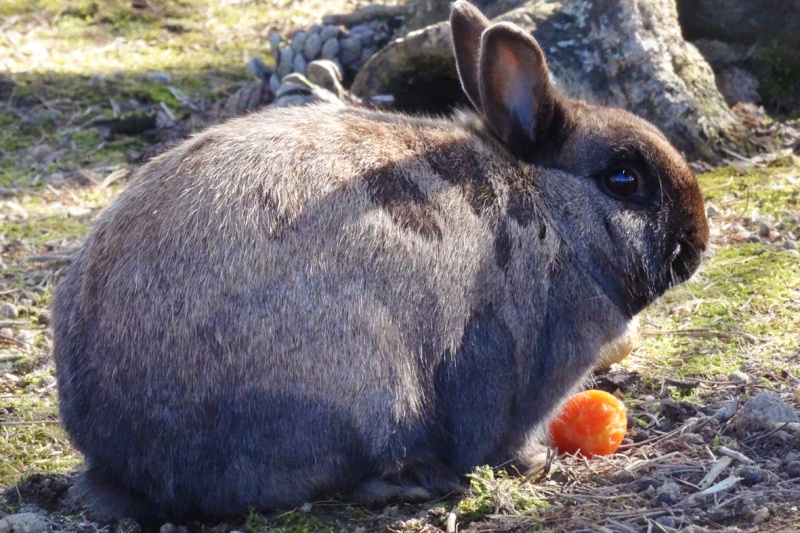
(327, 300)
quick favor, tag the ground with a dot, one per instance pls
(72, 68)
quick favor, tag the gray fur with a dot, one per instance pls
(326, 300)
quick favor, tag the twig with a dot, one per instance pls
(725, 484)
(60, 258)
(11, 340)
(702, 333)
(31, 423)
(714, 473)
(736, 455)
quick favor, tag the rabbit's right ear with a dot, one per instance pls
(467, 24)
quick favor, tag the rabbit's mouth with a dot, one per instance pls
(685, 260)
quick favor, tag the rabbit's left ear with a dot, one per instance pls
(516, 95)
(467, 24)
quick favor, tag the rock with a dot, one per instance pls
(327, 75)
(613, 52)
(669, 493)
(313, 46)
(350, 44)
(128, 525)
(299, 41)
(667, 521)
(285, 63)
(299, 64)
(750, 475)
(275, 45)
(790, 244)
(43, 317)
(296, 89)
(761, 412)
(761, 515)
(258, 69)
(23, 523)
(8, 310)
(738, 85)
(250, 97)
(738, 377)
(768, 33)
(158, 77)
(274, 83)
(329, 32)
(720, 53)
(742, 21)
(792, 469)
(330, 49)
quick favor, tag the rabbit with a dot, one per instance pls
(330, 300)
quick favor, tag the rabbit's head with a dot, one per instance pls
(616, 189)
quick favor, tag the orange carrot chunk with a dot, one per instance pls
(592, 422)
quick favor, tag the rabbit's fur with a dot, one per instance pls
(325, 300)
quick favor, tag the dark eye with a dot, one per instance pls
(621, 183)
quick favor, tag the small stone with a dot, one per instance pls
(274, 83)
(711, 211)
(329, 32)
(128, 525)
(763, 411)
(285, 63)
(692, 439)
(667, 521)
(761, 516)
(669, 493)
(23, 523)
(737, 85)
(312, 47)
(738, 377)
(168, 528)
(790, 244)
(351, 45)
(330, 49)
(275, 44)
(299, 41)
(367, 52)
(750, 475)
(258, 69)
(158, 77)
(314, 29)
(764, 229)
(299, 64)
(9, 311)
(350, 60)
(792, 469)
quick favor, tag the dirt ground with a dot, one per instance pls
(694, 458)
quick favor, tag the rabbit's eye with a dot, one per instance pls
(621, 183)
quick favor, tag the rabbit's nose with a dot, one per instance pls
(685, 260)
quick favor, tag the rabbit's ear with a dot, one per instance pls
(516, 94)
(467, 25)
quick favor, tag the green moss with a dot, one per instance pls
(33, 441)
(47, 228)
(742, 307)
(490, 489)
(769, 191)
